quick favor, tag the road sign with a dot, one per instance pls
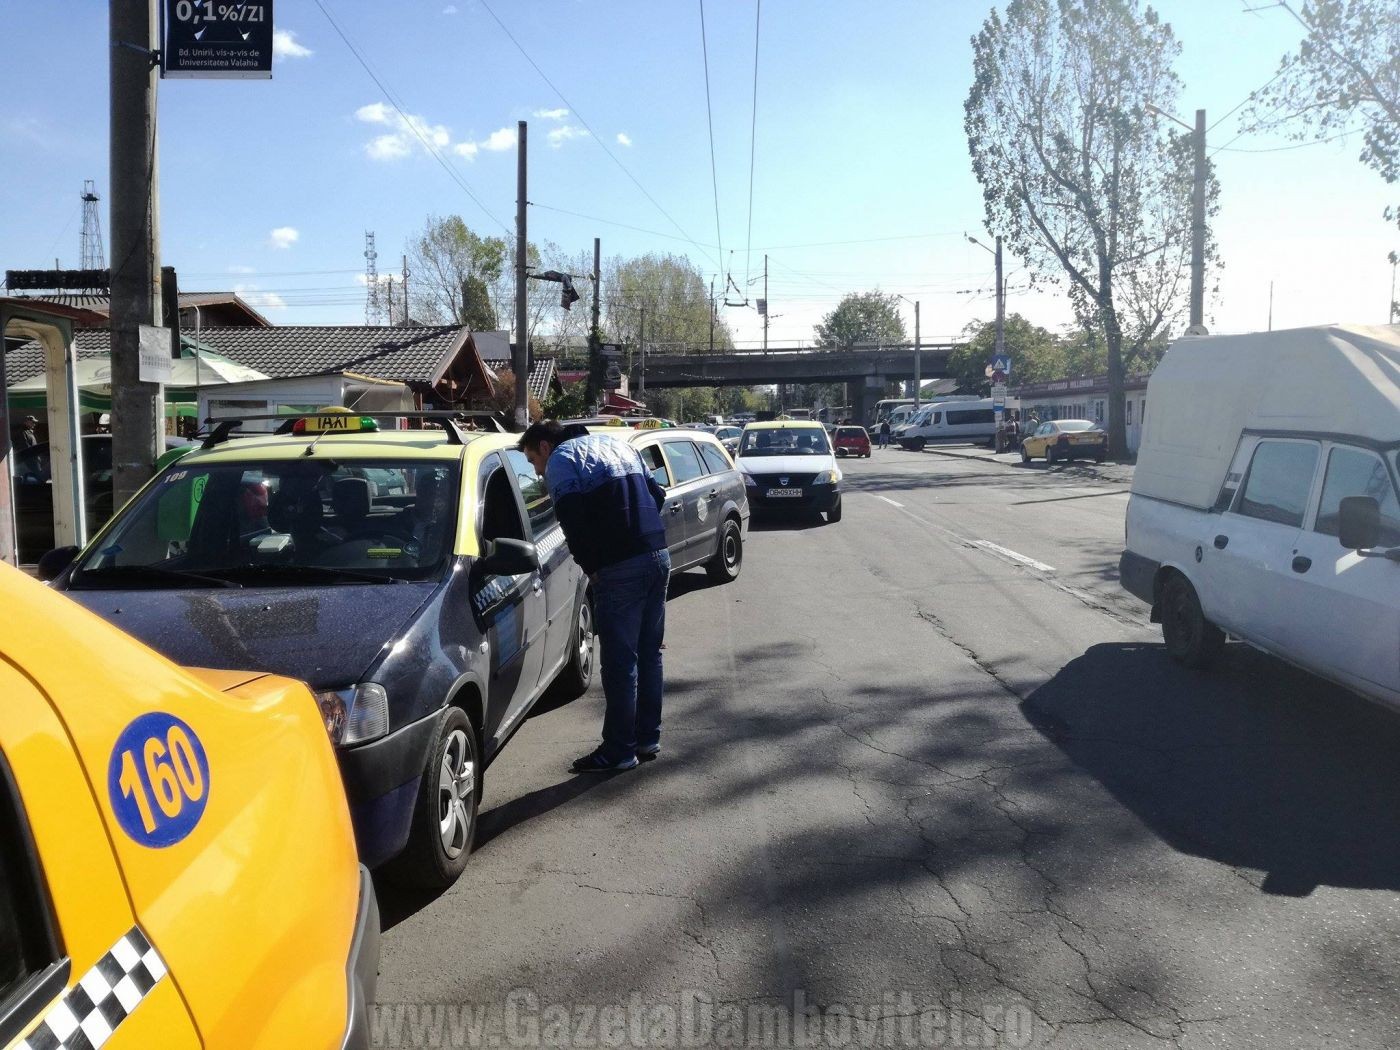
(1001, 363)
(216, 39)
(998, 396)
(155, 362)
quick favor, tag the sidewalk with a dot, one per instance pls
(1117, 473)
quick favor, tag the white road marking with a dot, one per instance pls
(1021, 559)
(891, 502)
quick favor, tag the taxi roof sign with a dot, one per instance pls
(334, 420)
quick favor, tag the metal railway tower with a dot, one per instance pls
(90, 241)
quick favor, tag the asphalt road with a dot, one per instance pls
(929, 778)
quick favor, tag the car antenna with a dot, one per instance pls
(312, 447)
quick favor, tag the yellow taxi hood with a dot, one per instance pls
(226, 813)
(224, 681)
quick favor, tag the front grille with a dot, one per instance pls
(789, 480)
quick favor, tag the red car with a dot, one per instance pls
(851, 441)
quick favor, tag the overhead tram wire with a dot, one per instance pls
(753, 144)
(593, 134)
(411, 124)
(619, 225)
(710, 120)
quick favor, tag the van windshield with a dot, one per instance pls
(280, 522)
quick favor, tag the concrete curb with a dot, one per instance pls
(1015, 463)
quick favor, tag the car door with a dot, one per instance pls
(558, 571)
(510, 610)
(1350, 624)
(691, 486)
(672, 515)
(1248, 559)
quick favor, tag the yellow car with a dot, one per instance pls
(177, 867)
(1064, 439)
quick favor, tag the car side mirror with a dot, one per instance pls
(505, 557)
(53, 562)
(1359, 522)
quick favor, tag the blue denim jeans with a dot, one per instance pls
(630, 599)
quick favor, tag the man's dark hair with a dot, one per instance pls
(550, 430)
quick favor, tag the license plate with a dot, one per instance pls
(785, 493)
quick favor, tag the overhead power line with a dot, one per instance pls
(410, 123)
(710, 120)
(753, 142)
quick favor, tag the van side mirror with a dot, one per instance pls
(505, 557)
(1359, 526)
(52, 563)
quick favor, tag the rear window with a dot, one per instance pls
(716, 459)
(1074, 426)
(684, 461)
(850, 432)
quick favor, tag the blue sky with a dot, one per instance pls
(268, 186)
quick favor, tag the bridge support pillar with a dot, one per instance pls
(861, 403)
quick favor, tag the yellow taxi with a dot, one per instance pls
(1063, 439)
(177, 867)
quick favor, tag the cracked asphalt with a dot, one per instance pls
(903, 767)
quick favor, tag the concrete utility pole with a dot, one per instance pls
(405, 289)
(520, 360)
(642, 350)
(595, 356)
(766, 304)
(1001, 305)
(138, 409)
(918, 364)
(1198, 226)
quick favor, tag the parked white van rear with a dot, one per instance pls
(1264, 504)
(970, 420)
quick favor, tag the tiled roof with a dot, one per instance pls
(542, 374)
(100, 302)
(407, 354)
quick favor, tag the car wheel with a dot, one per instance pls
(729, 558)
(1049, 455)
(444, 818)
(1190, 638)
(1100, 457)
(577, 675)
(1025, 456)
(834, 514)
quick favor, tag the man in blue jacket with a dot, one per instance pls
(609, 507)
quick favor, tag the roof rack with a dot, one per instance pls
(224, 425)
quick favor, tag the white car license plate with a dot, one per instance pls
(781, 493)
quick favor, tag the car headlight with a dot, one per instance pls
(827, 477)
(355, 714)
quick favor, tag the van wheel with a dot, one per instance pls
(444, 818)
(1191, 639)
(729, 559)
(918, 444)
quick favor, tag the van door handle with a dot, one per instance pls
(1221, 542)
(1302, 564)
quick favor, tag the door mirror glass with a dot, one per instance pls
(505, 557)
(1360, 522)
(55, 561)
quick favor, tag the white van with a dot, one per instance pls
(1264, 504)
(969, 420)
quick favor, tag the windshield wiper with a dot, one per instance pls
(151, 574)
(320, 573)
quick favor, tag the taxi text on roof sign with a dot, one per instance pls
(333, 420)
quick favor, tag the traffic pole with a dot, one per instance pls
(595, 357)
(520, 360)
(918, 364)
(138, 409)
(1198, 225)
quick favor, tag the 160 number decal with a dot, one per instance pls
(158, 779)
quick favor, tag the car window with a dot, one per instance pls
(716, 460)
(27, 942)
(1356, 472)
(785, 441)
(1075, 426)
(684, 460)
(651, 459)
(500, 516)
(968, 416)
(538, 506)
(1279, 480)
(1045, 429)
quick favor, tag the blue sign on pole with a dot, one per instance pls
(1001, 363)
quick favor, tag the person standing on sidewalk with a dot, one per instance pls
(884, 433)
(609, 508)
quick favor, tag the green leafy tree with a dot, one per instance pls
(1036, 355)
(662, 299)
(446, 258)
(477, 312)
(571, 403)
(1084, 186)
(1345, 75)
(864, 317)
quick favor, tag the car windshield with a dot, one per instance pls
(1072, 426)
(280, 522)
(785, 441)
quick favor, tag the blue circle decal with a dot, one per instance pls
(158, 779)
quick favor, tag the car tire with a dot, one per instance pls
(577, 675)
(1100, 458)
(1190, 638)
(1025, 456)
(834, 514)
(435, 855)
(1049, 455)
(728, 560)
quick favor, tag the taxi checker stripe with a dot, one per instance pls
(90, 1011)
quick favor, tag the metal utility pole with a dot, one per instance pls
(712, 308)
(595, 358)
(520, 360)
(766, 310)
(1001, 305)
(1198, 226)
(405, 289)
(642, 349)
(90, 242)
(138, 409)
(918, 363)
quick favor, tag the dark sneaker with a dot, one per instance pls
(597, 763)
(648, 753)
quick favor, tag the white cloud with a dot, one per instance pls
(374, 113)
(236, 268)
(623, 139)
(284, 236)
(551, 114)
(263, 300)
(450, 9)
(466, 149)
(498, 141)
(563, 133)
(284, 45)
(408, 132)
(387, 147)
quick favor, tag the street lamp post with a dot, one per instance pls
(1198, 217)
(918, 347)
(1000, 292)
